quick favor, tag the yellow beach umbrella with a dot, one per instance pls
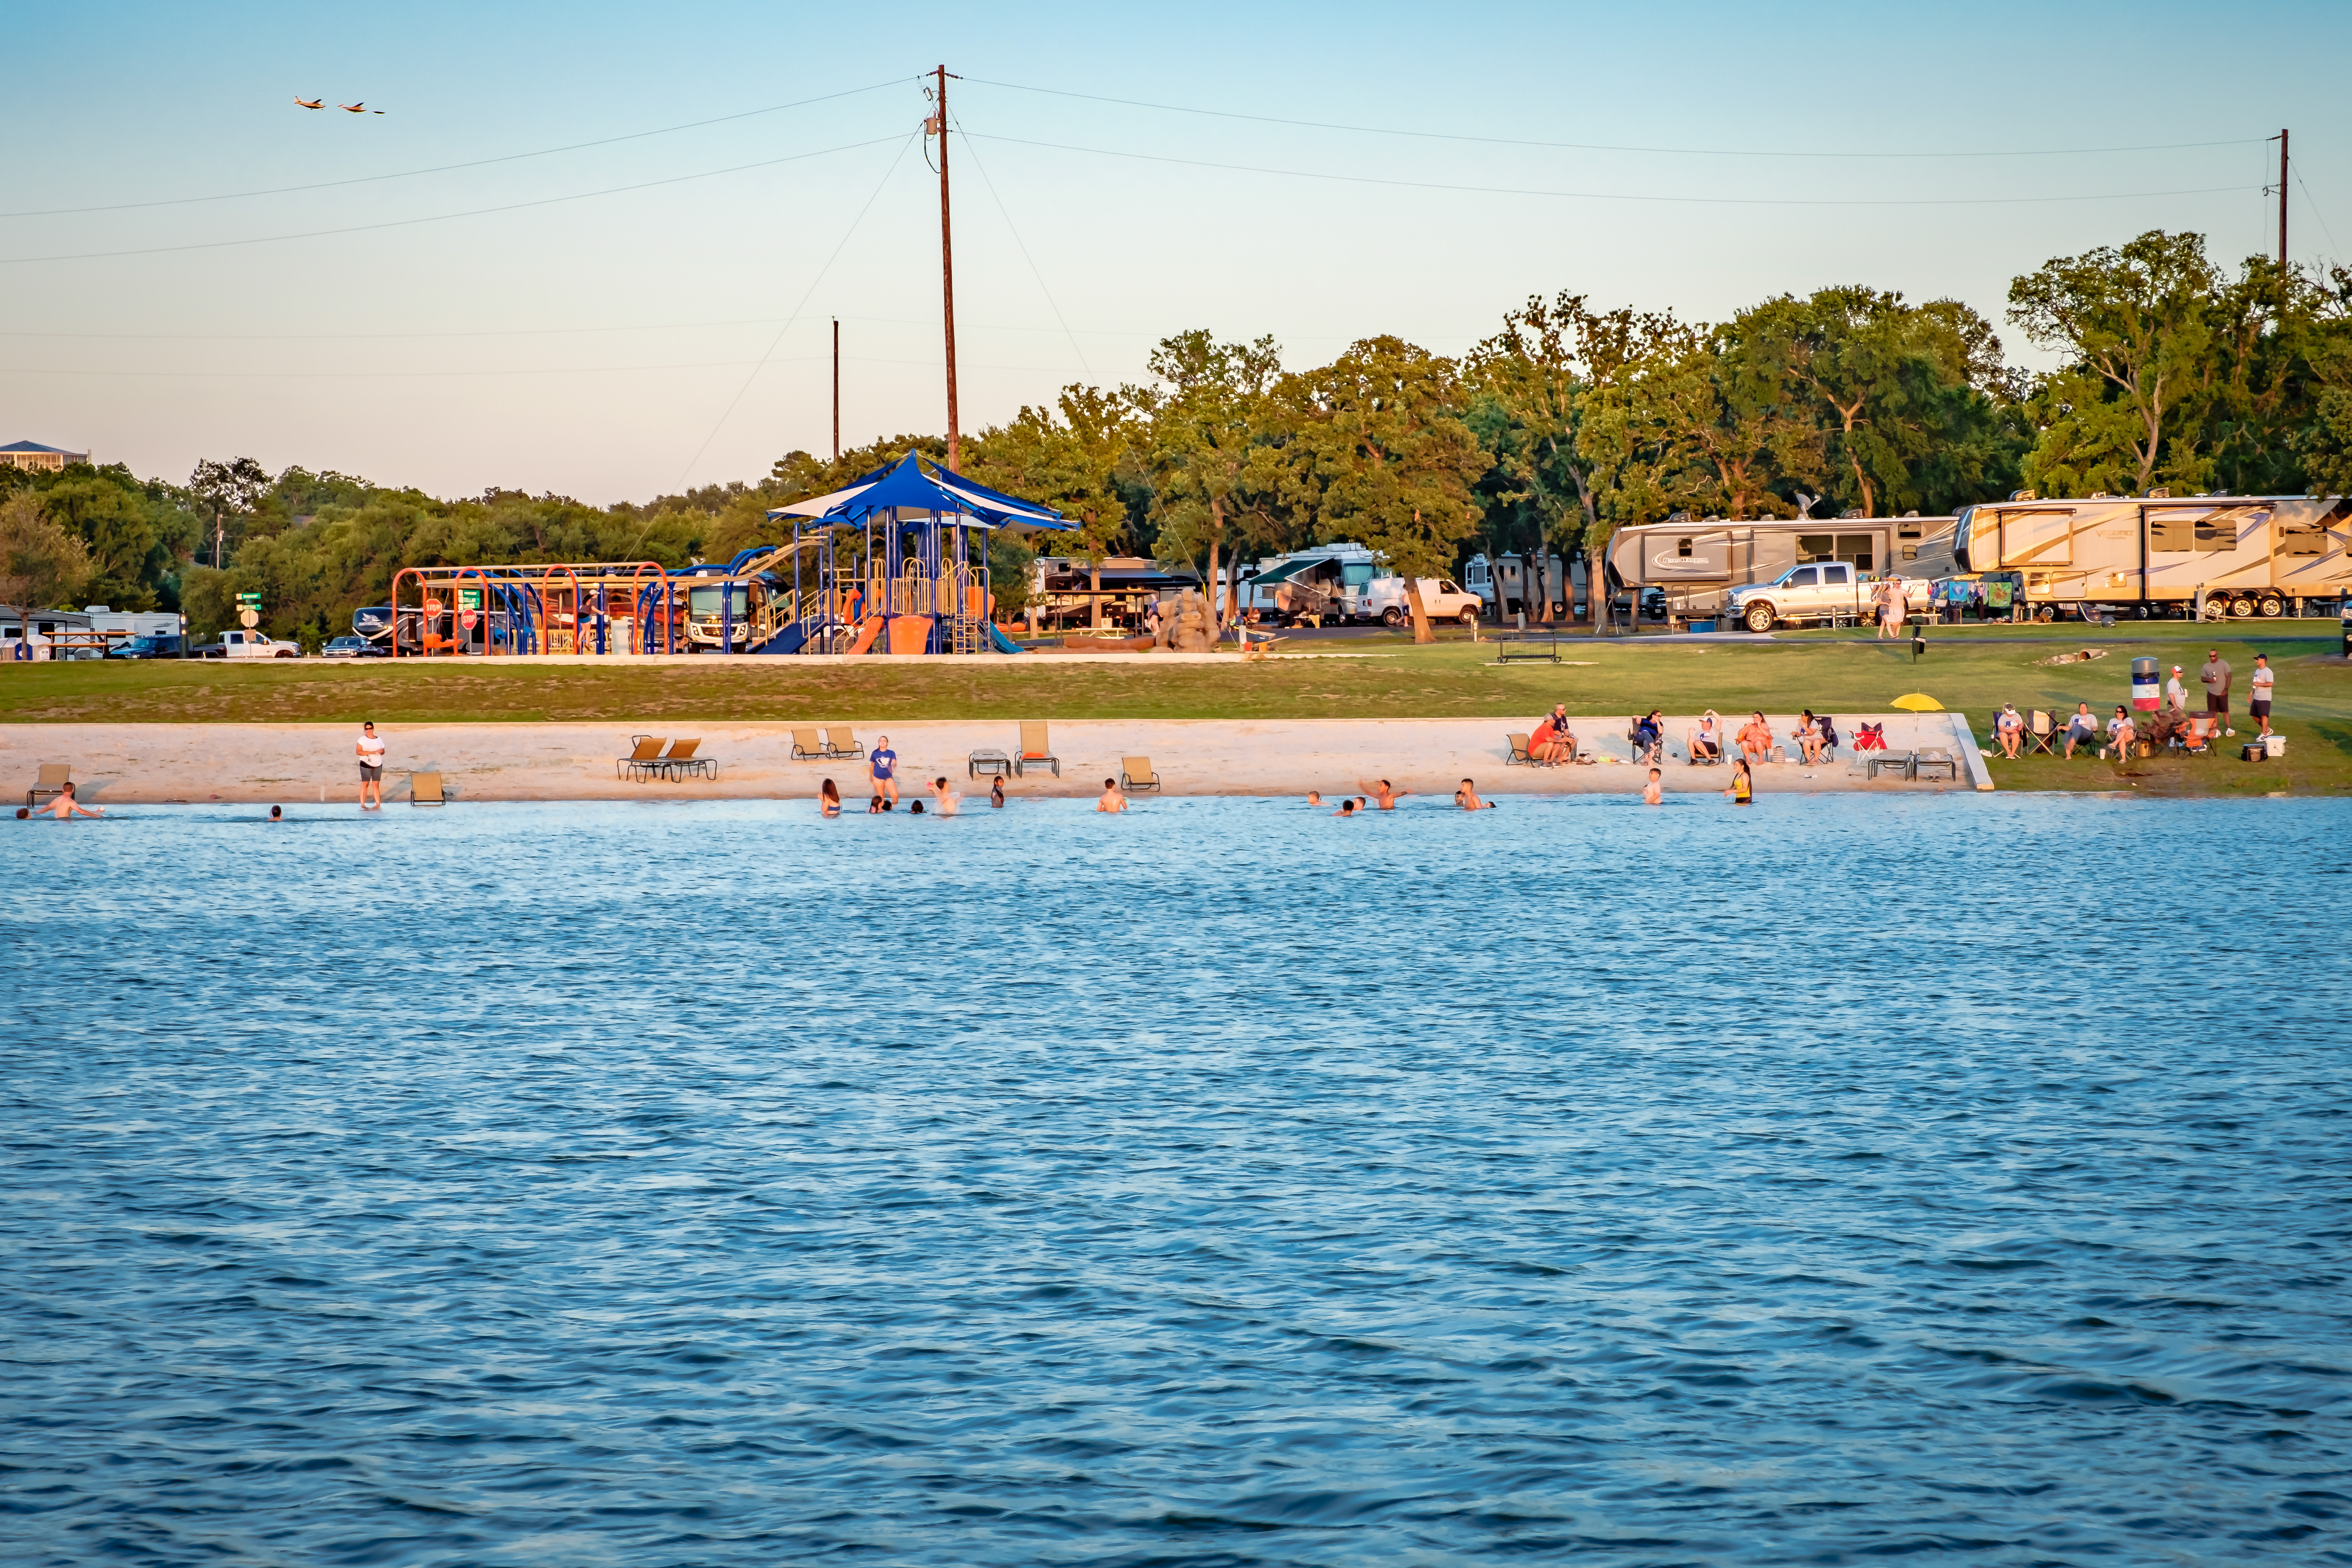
(1918, 702)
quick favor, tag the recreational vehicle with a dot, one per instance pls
(1545, 587)
(2218, 555)
(1327, 583)
(1063, 592)
(1698, 565)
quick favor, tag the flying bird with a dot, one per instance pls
(358, 108)
(311, 102)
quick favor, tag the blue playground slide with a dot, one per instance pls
(999, 641)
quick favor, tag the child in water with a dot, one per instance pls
(828, 799)
(1111, 799)
(996, 794)
(1655, 791)
(1467, 797)
(1347, 807)
(874, 807)
(1743, 784)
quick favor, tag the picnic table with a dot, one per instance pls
(1512, 646)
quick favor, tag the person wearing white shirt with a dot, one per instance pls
(371, 754)
(2174, 695)
(2120, 734)
(2263, 681)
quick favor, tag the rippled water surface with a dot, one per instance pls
(1835, 1181)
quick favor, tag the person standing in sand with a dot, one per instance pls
(881, 765)
(371, 755)
(1110, 798)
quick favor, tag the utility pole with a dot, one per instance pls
(938, 126)
(836, 388)
(2282, 199)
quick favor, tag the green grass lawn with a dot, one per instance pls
(1975, 670)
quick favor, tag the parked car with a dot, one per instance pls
(352, 647)
(236, 643)
(149, 647)
(1441, 600)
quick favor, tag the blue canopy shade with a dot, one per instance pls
(908, 488)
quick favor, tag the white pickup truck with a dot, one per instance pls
(1442, 599)
(1817, 591)
(237, 643)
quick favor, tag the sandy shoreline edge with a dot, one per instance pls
(152, 763)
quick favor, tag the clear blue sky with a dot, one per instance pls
(594, 346)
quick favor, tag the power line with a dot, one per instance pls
(1610, 195)
(445, 217)
(2311, 203)
(1006, 215)
(847, 236)
(1058, 329)
(1600, 146)
(448, 168)
(524, 370)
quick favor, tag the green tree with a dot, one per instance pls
(41, 562)
(2136, 324)
(1214, 455)
(1073, 464)
(1379, 449)
(228, 492)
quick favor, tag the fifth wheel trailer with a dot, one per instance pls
(1697, 564)
(2228, 555)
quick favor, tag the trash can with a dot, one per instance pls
(2145, 693)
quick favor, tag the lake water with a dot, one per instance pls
(1835, 1181)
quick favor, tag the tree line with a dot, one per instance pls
(1569, 421)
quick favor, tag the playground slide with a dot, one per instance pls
(864, 643)
(910, 634)
(999, 641)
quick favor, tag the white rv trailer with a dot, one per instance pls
(1326, 581)
(1547, 587)
(2231, 555)
(1697, 564)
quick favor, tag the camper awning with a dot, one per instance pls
(908, 488)
(1287, 570)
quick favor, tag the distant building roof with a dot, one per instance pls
(37, 447)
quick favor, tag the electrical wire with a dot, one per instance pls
(847, 235)
(2310, 201)
(1609, 195)
(448, 168)
(526, 370)
(1598, 146)
(1006, 215)
(445, 217)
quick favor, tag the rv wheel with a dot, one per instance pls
(2217, 608)
(1759, 618)
(2242, 607)
(2272, 606)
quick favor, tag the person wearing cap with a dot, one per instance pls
(2175, 698)
(2263, 684)
(2010, 728)
(2216, 676)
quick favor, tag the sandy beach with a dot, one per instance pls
(149, 763)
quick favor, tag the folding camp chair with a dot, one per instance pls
(51, 780)
(2040, 732)
(1034, 749)
(2199, 739)
(644, 758)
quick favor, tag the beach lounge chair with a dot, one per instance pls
(1929, 764)
(49, 781)
(1135, 773)
(2040, 732)
(681, 762)
(1034, 749)
(644, 757)
(841, 743)
(424, 789)
(1887, 762)
(807, 748)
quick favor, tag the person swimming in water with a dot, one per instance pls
(276, 814)
(996, 794)
(1467, 797)
(944, 796)
(828, 799)
(1314, 798)
(874, 807)
(1386, 794)
(1347, 806)
(65, 808)
(1743, 784)
(1655, 791)
(1111, 799)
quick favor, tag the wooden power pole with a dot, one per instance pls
(939, 125)
(837, 387)
(2282, 198)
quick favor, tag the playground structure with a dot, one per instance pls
(897, 563)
